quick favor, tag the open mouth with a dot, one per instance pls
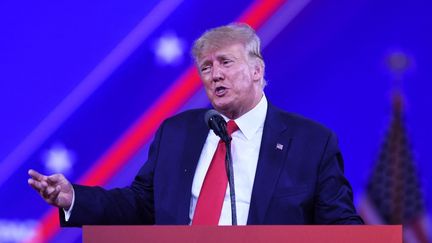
(220, 91)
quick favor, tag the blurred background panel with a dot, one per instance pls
(84, 85)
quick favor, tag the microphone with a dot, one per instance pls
(219, 126)
(216, 123)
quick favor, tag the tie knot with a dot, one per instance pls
(231, 127)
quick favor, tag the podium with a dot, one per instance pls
(227, 234)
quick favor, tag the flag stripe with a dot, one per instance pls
(420, 230)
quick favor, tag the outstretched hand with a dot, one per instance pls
(54, 189)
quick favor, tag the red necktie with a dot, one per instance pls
(211, 197)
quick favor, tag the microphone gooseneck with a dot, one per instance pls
(219, 126)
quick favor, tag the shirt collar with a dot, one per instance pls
(251, 121)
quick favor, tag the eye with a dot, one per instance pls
(226, 62)
(205, 68)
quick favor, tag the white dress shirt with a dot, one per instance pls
(245, 146)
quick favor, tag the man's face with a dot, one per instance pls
(232, 79)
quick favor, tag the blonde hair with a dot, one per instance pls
(222, 36)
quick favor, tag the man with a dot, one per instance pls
(287, 169)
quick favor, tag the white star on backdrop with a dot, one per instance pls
(169, 49)
(58, 159)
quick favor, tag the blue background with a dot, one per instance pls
(328, 63)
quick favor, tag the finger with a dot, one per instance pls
(36, 175)
(42, 188)
(53, 196)
(34, 184)
(46, 193)
(53, 179)
(43, 184)
(37, 185)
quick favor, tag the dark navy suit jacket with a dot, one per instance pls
(302, 183)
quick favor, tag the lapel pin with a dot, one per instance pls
(279, 146)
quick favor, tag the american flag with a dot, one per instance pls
(393, 192)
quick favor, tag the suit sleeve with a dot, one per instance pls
(334, 199)
(122, 206)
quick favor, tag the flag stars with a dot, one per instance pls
(58, 159)
(169, 49)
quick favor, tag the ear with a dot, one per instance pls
(258, 71)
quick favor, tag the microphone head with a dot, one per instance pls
(216, 123)
(211, 114)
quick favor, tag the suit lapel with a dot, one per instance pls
(273, 150)
(193, 144)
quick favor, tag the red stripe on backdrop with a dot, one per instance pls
(259, 12)
(143, 129)
(139, 134)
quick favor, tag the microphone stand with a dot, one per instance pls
(230, 175)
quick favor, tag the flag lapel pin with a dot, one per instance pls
(279, 146)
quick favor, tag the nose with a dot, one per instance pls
(217, 74)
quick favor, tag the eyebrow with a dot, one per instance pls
(204, 63)
(226, 56)
(220, 57)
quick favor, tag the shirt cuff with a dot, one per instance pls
(68, 213)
